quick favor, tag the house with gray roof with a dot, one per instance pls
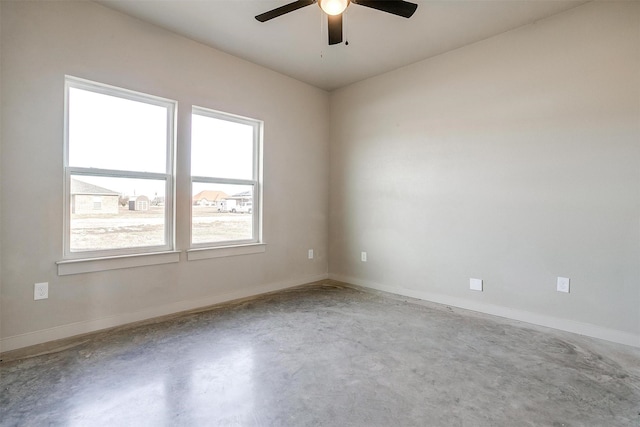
(88, 198)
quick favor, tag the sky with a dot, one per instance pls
(109, 132)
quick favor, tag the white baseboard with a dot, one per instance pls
(78, 328)
(581, 328)
(65, 331)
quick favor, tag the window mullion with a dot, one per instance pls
(210, 180)
(117, 173)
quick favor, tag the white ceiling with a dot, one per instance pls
(296, 44)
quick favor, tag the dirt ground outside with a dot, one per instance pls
(131, 229)
(209, 225)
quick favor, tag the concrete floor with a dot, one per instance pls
(327, 355)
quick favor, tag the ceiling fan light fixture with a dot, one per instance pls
(333, 7)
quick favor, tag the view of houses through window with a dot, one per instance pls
(221, 213)
(118, 170)
(119, 173)
(224, 168)
(116, 213)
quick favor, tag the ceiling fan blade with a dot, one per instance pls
(395, 7)
(279, 11)
(335, 29)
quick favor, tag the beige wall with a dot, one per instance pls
(514, 160)
(43, 41)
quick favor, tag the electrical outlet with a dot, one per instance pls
(363, 256)
(310, 253)
(475, 284)
(563, 284)
(41, 291)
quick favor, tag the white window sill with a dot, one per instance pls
(225, 251)
(90, 265)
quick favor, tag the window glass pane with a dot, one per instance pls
(116, 213)
(109, 132)
(221, 148)
(221, 212)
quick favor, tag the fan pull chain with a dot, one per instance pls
(322, 21)
(345, 27)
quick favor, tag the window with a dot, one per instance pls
(225, 184)
(97, 203)
(118, 171)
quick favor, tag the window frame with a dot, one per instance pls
(168, 176)
(256, 182)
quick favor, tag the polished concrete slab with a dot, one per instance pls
(327, 355)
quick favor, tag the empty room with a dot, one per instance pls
(319, 213)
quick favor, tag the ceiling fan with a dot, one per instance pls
(335, 8)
